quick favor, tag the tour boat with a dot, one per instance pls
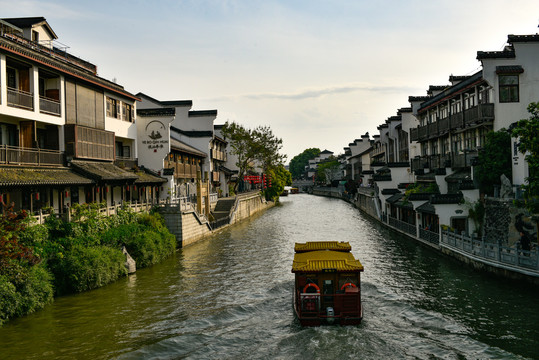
(327, 284)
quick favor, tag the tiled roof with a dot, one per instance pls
(426, 208)
(144, 177)
(183, 147)
(103, 171)
(322, 245)
(505, 54)
(195, 113)
(509, 69)
(157, 112)
(19, 176)
(192, 133)
(522, 38)
(319, 261)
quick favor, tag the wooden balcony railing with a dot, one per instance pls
(13, 155)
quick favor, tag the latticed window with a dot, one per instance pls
(508, 88)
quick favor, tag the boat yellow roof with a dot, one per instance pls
(325, 261)
(322, 245)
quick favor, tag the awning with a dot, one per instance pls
(104, 172)
(144, 177)
(427, 208)
(322, 245)
(18, 176)
(178, 145)
(227, 171)
(320, 261)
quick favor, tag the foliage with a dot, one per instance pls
(18, 298)
(494, 160)
(15, 256)
(328, 170)
(87, 267)
(280, 177)
(73, 257)
(251, 146)
(298, 162)
(421, 188)
(527, 132)
(476, 212)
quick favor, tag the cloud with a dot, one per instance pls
(317, 93)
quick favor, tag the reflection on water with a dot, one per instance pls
(231, 297)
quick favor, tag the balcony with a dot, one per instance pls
(463, 160)
(20, 99)
(455, 121)
(218, 155)
(13, 155)
(478, 114)
(432, 130)
(215, 176)
(183, 171)
(49, 106)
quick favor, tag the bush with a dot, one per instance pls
(150, 247)
(32, 294)
(85, 268)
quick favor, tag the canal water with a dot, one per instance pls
(230, 297)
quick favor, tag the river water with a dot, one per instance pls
(230, 297)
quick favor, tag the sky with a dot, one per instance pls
(318, 73)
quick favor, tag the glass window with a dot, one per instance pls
(508, 88)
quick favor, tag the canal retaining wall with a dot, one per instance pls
(498, 255)
(189, 227)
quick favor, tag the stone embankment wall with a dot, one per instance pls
(497, 220)
(188, 227)
(248, 205)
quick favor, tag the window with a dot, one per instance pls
(112, 108)
(11, 78)
(484, 95)
(127, 112)
(508, 88)
(35, 36)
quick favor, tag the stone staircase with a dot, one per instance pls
(223, 207)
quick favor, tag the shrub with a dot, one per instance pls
(85, 268)
(150, 247)
(27, 296)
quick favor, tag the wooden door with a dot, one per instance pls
(28, 134)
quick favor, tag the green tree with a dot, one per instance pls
(494, 160)
(280, 177)
(328, 170)
(527, 132)
(252, 146)
(298, 162)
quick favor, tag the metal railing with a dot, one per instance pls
(429, 236)
(491, 252)
(49, 106)
(14, 155)
(403, 226)
(19, 98)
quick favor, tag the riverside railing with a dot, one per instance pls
(404, 226)
(479, 248)
(430, 236)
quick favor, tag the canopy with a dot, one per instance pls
(322, 245)
(325, 261)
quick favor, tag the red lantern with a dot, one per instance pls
(98, 190)
(66, 194)
(107, 188)
(37, 196)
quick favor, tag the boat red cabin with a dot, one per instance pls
(327, 284)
